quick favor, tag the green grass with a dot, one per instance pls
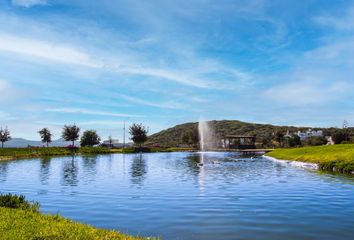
(21, 224)
(32, 152)
(13, 201)
(150, 150)
(333, 158)
(21, 219)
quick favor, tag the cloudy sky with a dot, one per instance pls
(161, 63)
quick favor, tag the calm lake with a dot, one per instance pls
(169, 195)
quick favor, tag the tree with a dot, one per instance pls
(194, 136)
(267, 140)
(316, 141)
(279, 137)
(340, 136)
(71, 133)
(186, 138)
(4, 136)
(45, 135)
(89, 138)
(294, 141)
(138, 133)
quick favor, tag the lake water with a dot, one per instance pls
(169, 195)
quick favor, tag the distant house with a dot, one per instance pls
(111, 143)
(239, 142)
(309, 133)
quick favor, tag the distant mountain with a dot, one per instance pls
(173, 136)
(21, 142)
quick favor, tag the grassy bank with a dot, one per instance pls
(338, 158)
(152, 150)
(33, 152)
(21, 219)
(21, 224)
(20, 153)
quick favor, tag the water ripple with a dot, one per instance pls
(169, 195)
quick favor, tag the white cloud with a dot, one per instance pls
(29, 3)
(178, 76)
(90, 112)
(5, 115)
(46, 50)
(343, 22)
(51, 51)
(9, 92)
(100, 123)
(4, 86)
(85, 123)
(305, 93)
(168, 105)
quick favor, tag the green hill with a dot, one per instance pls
(173, 136)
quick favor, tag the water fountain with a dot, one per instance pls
(206, 141)
(206, 136)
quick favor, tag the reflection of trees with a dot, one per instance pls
(70, 172)
(3, 171)
(138, 169)
(44, 169)
(89, 165)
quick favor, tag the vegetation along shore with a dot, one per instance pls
(36, 152)
(337, 158)
(21, 219)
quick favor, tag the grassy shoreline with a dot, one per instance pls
(35, 152)
(336, 158)
(24, 224)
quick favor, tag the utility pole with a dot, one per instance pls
(345, 124)
(124, 134)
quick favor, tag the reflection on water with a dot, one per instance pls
(3, 171)
(170, 195)
(70, 172)
(138, 169)
(44, 171)
(89, 166)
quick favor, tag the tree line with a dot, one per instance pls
(89, 138)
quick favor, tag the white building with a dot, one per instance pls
(310, 133)
(111, 143)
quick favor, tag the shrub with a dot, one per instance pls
(316, 141)
(14, 201)
(293, 141)
(89, 138)
(340, 136)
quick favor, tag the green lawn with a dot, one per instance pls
(336, 157)
(32, 152)
(151, 150)
(21, 224)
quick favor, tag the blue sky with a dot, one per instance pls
(161, 63)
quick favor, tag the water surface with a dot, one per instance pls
(169, 195)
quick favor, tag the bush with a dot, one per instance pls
(316, 141)
(340, 136)
(94, 150)
(293, 141)
(89, 138)
(14, 201)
